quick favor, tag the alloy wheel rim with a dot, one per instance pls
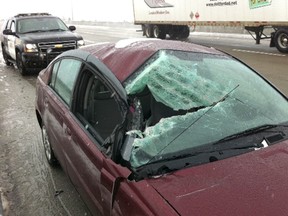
(19, 64)
(283, 39)
(46, 143)
(156, 32)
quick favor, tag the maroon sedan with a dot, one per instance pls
(152, 127)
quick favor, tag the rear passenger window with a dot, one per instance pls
(63, 78)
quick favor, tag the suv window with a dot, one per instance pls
(13, 29)
(63, 77)
(8, 24)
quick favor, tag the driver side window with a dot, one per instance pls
(99, 109)
(13, 29)
(63, 78)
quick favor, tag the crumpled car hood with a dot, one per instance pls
(255, 183)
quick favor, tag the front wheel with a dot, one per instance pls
(20, 64)
(47, 148)
(281, 40)
(5, 57)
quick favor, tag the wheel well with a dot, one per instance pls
(39, 118)
(17, 50)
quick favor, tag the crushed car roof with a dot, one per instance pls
(125, 56)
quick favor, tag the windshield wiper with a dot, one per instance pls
(34, 31)
(203, 155)
(247, 132)
(58, 29)
(195, 121)
(211, 149)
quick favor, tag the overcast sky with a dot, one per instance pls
(100, 10)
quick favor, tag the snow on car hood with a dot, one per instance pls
(249, 184)
(50, 37)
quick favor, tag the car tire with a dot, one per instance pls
(20, 64)
(49, 153)
(281, 40)
(5, 57)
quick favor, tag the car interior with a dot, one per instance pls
(101, 108)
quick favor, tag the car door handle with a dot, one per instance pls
(68, 131)
(46, 102)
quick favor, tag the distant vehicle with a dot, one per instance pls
(163, 127)
(31, 41)
(160, 18)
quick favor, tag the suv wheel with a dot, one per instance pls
(20, 64)
(5, 57)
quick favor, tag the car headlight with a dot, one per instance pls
(80, 43)
(30, 48)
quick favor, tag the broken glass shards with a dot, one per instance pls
(176, 83)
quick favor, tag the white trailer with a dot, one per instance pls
(175, 17)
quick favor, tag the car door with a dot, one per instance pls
(11, 40)
(57, 102)
(96, 115)
(4, 37)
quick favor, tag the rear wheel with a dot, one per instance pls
(148, 31)
(159, 31)
(47, 148)
(184, 32)
(5, 57)
(281, 40)
(20, 64)
(179, 32)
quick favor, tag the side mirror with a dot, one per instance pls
(8, 32)
(72, 28)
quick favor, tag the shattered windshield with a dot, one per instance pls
(193, 99)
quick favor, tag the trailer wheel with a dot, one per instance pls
(149, 31)
(281, 40)
(159, 31)
(179, 32)
(184, 32)
(173, 34)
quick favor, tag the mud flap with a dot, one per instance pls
(272, 42)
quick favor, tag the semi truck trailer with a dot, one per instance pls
(175, 18)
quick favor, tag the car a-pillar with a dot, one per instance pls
(281, 39)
